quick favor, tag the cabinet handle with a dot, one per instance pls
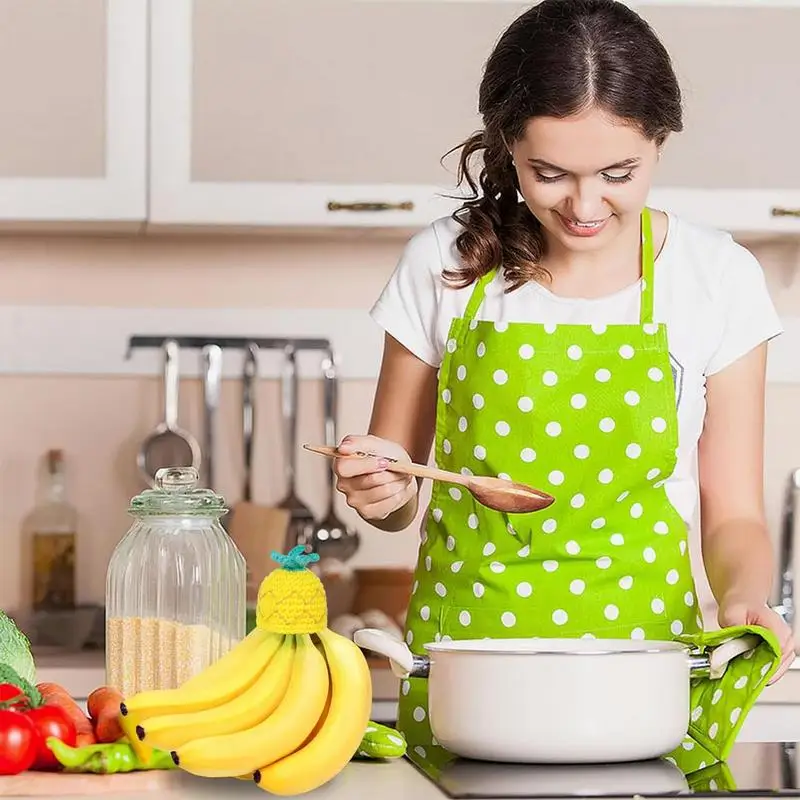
(786, 212)
(406, 206)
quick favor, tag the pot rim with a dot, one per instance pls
(557, 647)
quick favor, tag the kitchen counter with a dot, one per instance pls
(752, 765)
(775, 718)
(79, 673)
(394, 780)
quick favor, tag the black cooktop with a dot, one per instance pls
(754, 769)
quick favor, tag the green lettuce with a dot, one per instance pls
(15, 649)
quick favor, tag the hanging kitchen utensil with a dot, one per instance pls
(249, 376)
(301, 523)
(494, 493)
(331, 537)
(212, 364)
(249, 373)
(256, 529)
(168, 445)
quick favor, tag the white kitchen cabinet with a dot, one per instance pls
(735, 165)
(259, 118)
(73, 120)
(275, 112)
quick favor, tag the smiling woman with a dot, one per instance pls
(558, 332)
(573, 221)
(581, 200)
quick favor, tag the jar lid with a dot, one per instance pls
(177, 494)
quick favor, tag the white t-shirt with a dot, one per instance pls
(709, 290)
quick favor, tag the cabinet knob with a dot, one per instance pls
(405, 206)
(785, 212)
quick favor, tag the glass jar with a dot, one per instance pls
(175, 587)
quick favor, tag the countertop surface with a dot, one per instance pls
(394, 780)
(754, 765)
(776, 718)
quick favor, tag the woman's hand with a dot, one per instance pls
(373, 491)
(736, 544)
(741, 612)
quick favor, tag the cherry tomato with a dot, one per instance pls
(18, 742)
(50, 721)
(10, 692)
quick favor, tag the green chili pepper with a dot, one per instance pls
(379, 741)
(106, 758)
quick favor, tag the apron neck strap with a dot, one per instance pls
(478, 293)
(648, 268)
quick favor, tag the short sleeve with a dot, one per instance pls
(408, 306)
(748, 315)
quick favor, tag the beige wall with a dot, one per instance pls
(101, 421)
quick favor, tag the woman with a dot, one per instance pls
(558, 332)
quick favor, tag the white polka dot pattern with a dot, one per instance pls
(596, 411)
(589, 415)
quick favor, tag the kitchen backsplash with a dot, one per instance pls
(100, 421)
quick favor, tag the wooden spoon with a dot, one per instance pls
(494, 493)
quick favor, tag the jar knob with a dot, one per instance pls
(177, 479)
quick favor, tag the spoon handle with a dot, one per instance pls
(418, 470)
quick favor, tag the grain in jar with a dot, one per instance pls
(175, 590)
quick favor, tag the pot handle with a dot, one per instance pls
(727, 651)
(717, 660)
(403, 662)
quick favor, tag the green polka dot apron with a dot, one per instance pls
(587, 413)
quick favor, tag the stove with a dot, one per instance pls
(754, 769)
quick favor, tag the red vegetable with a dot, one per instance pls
(12, 697)
(50, 721)
(18, 742)
(55, 695)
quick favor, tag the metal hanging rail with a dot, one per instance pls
(227, 342)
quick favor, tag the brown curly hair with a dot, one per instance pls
(559, 58)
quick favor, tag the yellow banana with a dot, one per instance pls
(234, 754)
(129, 723)
(339, 736)
(321, 721)
(251, 707)
(314, 732)
(218, 683)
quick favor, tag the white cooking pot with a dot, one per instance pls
(552, 701)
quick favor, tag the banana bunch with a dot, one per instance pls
(286, 708)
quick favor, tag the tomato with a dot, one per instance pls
(10, 692)
(18, 742)
(50, 721)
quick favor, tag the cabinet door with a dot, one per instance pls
(736, 165)
(295, 113)
(287, 112)
(73, 78)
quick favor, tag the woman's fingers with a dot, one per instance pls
(368, 486)
(374, 506)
